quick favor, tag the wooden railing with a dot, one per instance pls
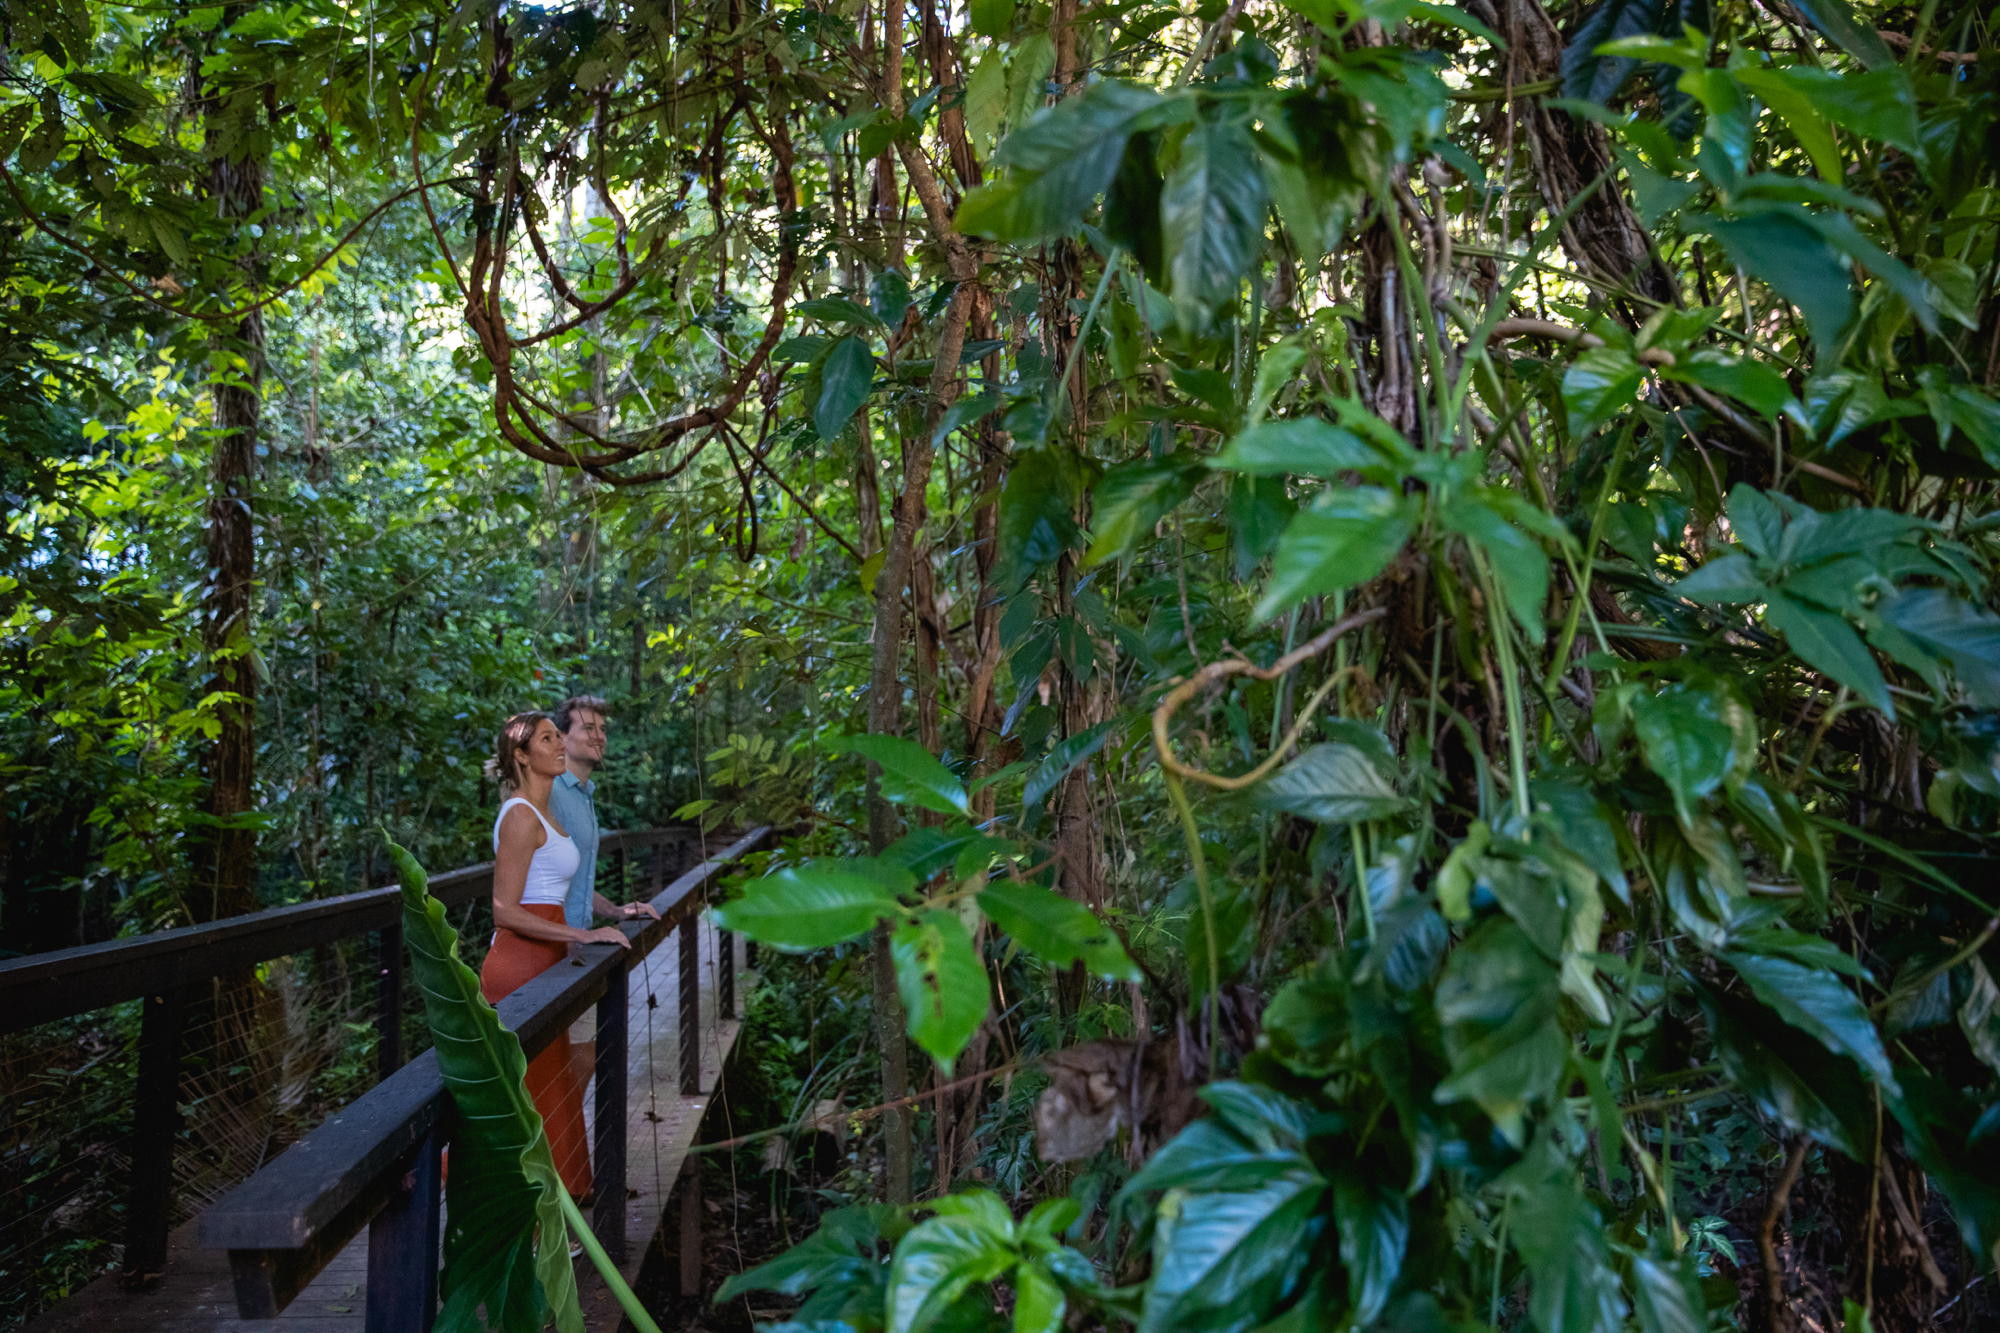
(377, 1161)
(168, 970)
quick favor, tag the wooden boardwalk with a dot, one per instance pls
(196, 1295)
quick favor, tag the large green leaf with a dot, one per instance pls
(1059, 162)
(1497, 1004)
(836, 1271)
(1561, 1240)
(1301, 446)
(1836, 19)
(506, 1249)
(844, 380)
(1224, 1258)
(936, 1264)
(1059, 762)
(1816, 1003)
(1796, 262)
(1036, 525)
(992, 18)
(1800, 1083)
(1132, 498)
(1336, 782)
(1599, 384)
(1667, 1295)
(1487, 519)
(1962, 634)
(1727, 578)
(1348, 536)
(910, 773)
(1373, 1221)
(813, 905)
(1829, 643)
(1692, 737)
(943, 983)
(1056, 929)
(1591, 77)
(1211, 218)
(1880, 105)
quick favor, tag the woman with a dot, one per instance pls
(533, 860)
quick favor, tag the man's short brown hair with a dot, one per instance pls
(579, 703)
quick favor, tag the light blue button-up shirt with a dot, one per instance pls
(570, 801)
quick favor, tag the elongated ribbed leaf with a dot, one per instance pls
(506, 1251)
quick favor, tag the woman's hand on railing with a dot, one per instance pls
(605, 935)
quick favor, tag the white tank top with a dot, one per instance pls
(554, 862)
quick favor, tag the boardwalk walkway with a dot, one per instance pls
(196, 1295)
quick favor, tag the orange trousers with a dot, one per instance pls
(552, 1082)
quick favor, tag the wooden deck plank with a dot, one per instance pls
(196, 1294)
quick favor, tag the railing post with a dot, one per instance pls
(389, 1001)
(725, 975)
(403, 1247)
(608, 1176)
(156, 1123)
(690, 979)
(690, 1227)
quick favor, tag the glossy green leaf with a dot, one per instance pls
(1666, 1296)
(991, 18)
(1518, 565)
(1800, 1083)
(942, 981)
(1056, 929)
(1828, 643)
(1347, 537)
(1373, 1222)
(1838, 21)
(1061, 761)
(1816, 1003)
(1211, 218)
(910, 773)
(846, 376)
(1038, 1302)
(1497, 1005)
(1740, 378)
(935, 1265)
(1301, 446)
(1965, 636)
(1726, 579)
(506, 1244)
(1060, 161)
(1599, 384)
(1795, 261)
(809, 906)
(1689, 740)
(1331, 783)
(1132, 498)
(1223, 1258)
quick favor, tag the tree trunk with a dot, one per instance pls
(227, 856)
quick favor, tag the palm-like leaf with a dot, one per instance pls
(506, 1248)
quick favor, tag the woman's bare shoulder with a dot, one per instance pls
(519, 825)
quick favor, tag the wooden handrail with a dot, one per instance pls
(42, 987)
(284, 1223)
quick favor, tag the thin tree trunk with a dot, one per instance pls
(226, 867)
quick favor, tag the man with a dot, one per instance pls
(572, 800)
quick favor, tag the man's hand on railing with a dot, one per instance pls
(631, 911)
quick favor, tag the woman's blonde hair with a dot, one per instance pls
(505, 765)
